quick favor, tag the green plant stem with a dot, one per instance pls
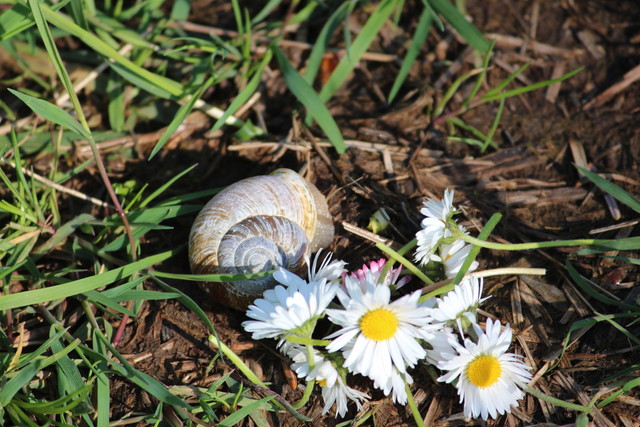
(389, 265)
(307, 341)
(236, 361)
(405, 262)
(527, 246)
(557, 402)
(412, 404)
(305, 397)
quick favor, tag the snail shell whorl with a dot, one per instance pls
(254, 225)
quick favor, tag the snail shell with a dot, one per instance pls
(258, 224)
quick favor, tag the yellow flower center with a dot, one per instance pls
(379, 324)
(484, 371)
(322, 382)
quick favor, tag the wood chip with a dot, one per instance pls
(554, 89)
(628, 79)
(506, 41)
(550, 293)
(578, 153)
(365, 234)
(516, 304)
(590, 40)
(540, 197)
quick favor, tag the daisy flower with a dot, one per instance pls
(442, 347)
(371, 273)
(328, 269)
(453, 256)
(434, 226)
(286, 309)
(334, 389)
(377, 334)
(459, 306)
(395, 385)
(489, 380)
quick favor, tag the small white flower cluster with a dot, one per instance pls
(435, 240)
(381, 334)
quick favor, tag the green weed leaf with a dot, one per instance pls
(52, 113)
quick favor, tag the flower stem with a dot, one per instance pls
(307, 341)
(402, 260)
(509, 271)
(412, 404)
(556, 401)
(527, 246)
(389, 265)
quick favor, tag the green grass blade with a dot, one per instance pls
(102, 301)
(116, 107)
(187, 302)
(586, 287)
(163, 83)
(236, 417)
(146, 220)
(419, 37)
(535, 86)
(62, 233)
(211, 277)
(508, 80)
(164, 187)
(73, 380)
(265, 11)
(78, 13)
(360, 45)
(489, 139)
(76, 287)
(631, 384)
(139, 81)
(312, 102)
(481, 78)
(322, 42)
(144, 295)
(119, 290)
(102, 391)
(52, 113)
(246, 93)
(180, 116)
(626, 244)
(19, 18)
(56, 59)
(612, 189)
(58, 406)
(179, 200)
(467, 30)
(28, 372)
(452, 90)
(144, 381)
(634, 261)
(180, 10)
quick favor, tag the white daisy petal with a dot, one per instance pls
(377, 335)
(489, 380)
(458, 307)
(283, 309)
(434, 227)
(395, 385)
(334, 389)
(328, 270)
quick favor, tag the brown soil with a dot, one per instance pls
(403, 157)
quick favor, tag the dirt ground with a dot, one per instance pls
(398, 156)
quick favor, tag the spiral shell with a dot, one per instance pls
(254, 225)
